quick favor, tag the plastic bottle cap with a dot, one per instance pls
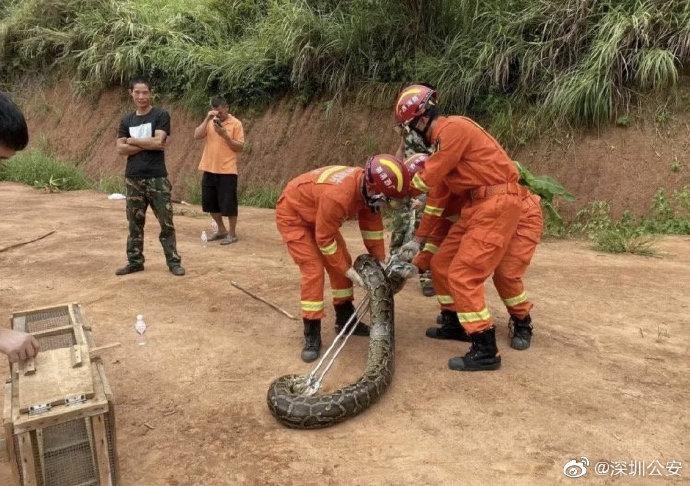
(140, 317)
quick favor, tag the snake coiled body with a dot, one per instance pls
(294, 409)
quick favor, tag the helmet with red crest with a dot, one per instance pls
(413, 102)
(413, 164)
(385, 174)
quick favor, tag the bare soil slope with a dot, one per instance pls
(625, 166)
(606, 377)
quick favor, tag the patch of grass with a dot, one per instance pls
(623, 236)
(623, 120)
(192, 188)
(111, 184)
(662, 116)
(39, 169)
(667, 216)
(676, 166)
(260, 197)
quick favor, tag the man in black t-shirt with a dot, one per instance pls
(141, 137)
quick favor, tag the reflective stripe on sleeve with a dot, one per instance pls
(430, 247)
(419, 184)
(433, 211)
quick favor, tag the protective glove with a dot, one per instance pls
(407, 271)
(408, 251)
(352, 274)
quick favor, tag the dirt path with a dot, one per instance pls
(607, 376)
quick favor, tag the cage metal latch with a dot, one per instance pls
(74, 399)
(39, 408)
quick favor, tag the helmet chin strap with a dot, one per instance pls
(375, 202)
(430, 113)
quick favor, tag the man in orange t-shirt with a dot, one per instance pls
(224, 141)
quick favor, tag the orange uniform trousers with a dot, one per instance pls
(486, 240)
(508, 275)
(301, 244)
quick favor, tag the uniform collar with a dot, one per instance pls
(441, 122)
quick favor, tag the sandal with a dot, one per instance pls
(228, 240)
(217, 236)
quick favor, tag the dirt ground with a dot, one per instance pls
(607, 376)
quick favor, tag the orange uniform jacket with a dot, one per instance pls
(440, 205)
(323, 199)
(466, 158)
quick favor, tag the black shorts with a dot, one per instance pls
(219, 193)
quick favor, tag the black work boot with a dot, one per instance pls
(342, 315)
(312, 340)
(177, 270)
(520, 332)
(129, 268)
(450, 328)
(483, 354)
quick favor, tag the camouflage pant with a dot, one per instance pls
(142, 193)
(400, 234)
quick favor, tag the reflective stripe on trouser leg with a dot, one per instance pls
(508, 275)
(471, 320)
(341, 287)
(305, 253)
(484, 233)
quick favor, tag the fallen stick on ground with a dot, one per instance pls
(17, 245)
(94, 352)
(273, 306)
(180, 201)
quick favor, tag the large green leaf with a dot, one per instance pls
(545, 186)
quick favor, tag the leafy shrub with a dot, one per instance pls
(36, 168)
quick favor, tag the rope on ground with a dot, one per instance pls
(271, 305)
(17, 245)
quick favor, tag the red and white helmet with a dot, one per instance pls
(413, 102)
(385, 175)
(413, 164)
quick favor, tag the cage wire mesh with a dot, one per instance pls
(47, 319)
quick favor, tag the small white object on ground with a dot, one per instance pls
(116, 196)
(140, 328)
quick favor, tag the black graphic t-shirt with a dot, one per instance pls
(147, 163)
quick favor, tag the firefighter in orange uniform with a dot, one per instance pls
(472, 164)
(309, 214)
(441, 211)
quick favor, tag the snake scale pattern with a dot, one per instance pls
(296, 410)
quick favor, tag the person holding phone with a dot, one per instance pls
(224, 140)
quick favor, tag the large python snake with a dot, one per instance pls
(295, 409)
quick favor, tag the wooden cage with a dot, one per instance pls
(58, 412)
